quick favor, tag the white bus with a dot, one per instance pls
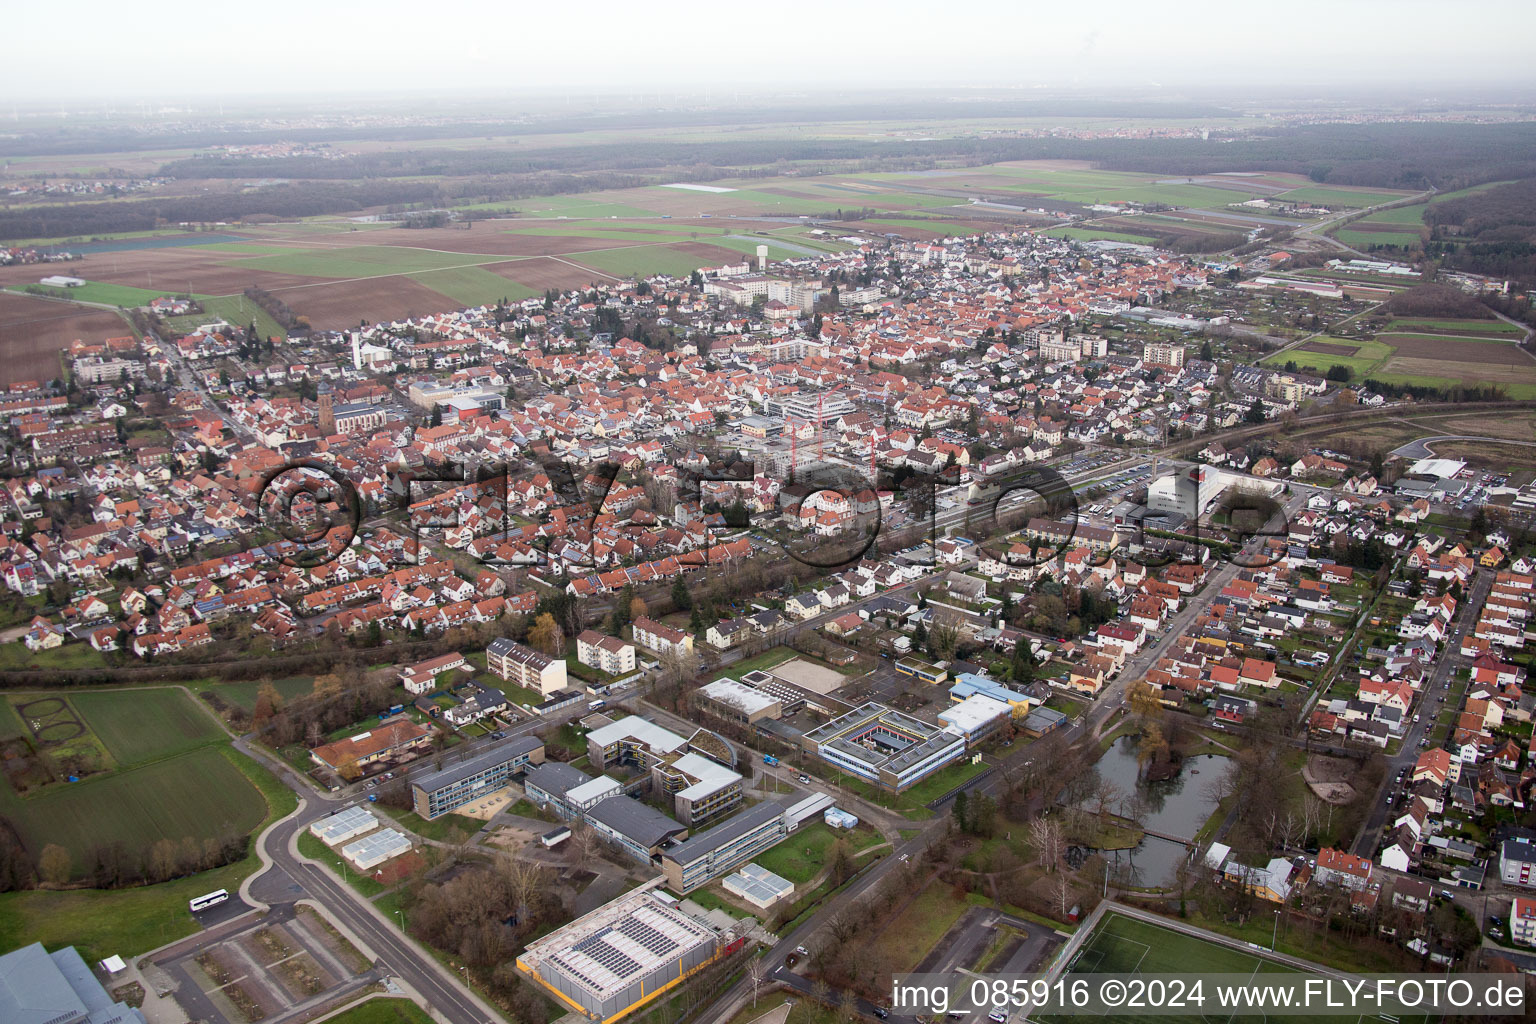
(204, 902)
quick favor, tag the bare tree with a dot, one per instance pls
(1064, 894)
(584, 842)
(1045, 837)
(757, 969)
(525, 880)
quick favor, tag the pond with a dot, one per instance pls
(1175, 807)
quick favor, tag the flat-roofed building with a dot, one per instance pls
(758, 886)
(436, 793)
(39, 987)
(717, 851)
(700, 786)
(889, 748)
(621, 956)
(976, 717)
(343, 825)
(740, 702)
(567, 791)
(520, 664)
(1163, 353)
(372, 850)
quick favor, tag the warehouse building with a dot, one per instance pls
(436, 793)
(621, 956)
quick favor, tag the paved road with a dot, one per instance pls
(1420, 449)
(397, 955)
(1383, 805)
(1313, 232)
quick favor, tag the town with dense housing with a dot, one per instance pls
(720, 644)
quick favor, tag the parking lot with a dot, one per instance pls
(287, 966)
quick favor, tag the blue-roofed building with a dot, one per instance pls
(39, 987)
(969, 684)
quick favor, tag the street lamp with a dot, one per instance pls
(1275, 935)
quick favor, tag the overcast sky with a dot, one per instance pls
(175, 50)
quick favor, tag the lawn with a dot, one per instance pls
(919, 927)
(438, 828)
(69, 655)
(382, 1010)
(132, 921)
(244, 694)
(202, 793)
(799, 857)
(768, 659)
(10, 721)
(232, 309)
(99, 292)
(1368, 355)
(144, 725)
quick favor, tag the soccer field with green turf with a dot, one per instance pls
(1123, 945)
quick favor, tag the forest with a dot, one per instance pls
(1489, 232)
(1410, 155)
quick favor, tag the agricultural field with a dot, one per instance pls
(1487, 328)
(201, 794)
(1122, 945)
(1428, 360)
(1345, 198)
(33, 330)
(1090, 234)
(1360, 237)
(151, 764)
(143, 725)
(1319, 354)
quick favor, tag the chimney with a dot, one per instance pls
(357, 350)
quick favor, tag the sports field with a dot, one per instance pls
(1123, 945)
